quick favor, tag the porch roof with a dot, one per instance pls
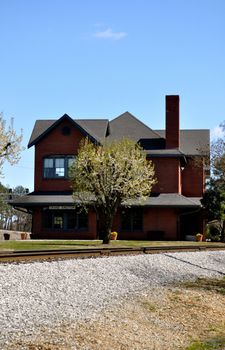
(167, 200)
(160, 200)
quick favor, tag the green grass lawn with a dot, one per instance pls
(214, 343)
(209, 284)
(75, 244)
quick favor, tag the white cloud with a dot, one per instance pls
(109, 34)
(216, 132)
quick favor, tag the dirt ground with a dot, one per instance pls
(168, 318)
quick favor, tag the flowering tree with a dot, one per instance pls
(10, 143)
(109, 175)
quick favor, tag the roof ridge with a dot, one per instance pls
(138, 120)
(186, 129)
(45, 120)
(94, 119)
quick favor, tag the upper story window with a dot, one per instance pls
(57, 166)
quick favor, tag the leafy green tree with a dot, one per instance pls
(22, 220)
(108, 175)
(10, 218)
(4, 207)
(214, 203)
(19, 191)
(214, 196)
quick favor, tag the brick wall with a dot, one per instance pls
(193, 179)
(172, 121)
(55, 143)
(163, 220)
(41, 233)
(167, 171)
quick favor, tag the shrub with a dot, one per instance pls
(213, 231)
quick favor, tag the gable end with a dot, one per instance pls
(55, 124)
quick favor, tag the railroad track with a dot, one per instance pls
(43, 255)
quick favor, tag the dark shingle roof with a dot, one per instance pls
(40, 127)
(34, 200)
(95, 128)
(161, 200)
(167, 200)
(192, 142)
(126, 125)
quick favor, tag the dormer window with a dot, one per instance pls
(55, 167)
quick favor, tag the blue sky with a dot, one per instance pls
(98, 59)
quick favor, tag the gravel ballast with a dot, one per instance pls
(48, 294)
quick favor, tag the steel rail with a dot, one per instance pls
(40, 255)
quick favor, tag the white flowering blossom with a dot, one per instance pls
(111, 174)
(10, 143)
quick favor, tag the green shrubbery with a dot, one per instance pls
(213, 231)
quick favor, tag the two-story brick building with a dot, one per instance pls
(171, 212)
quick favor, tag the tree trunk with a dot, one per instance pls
(106, 226)
(223, 232)
(107, 236)
(105, 218)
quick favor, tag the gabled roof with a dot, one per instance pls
(192, 142)
(126, 125)
(40, 127)
(94, 129)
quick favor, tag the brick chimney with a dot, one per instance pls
(172, 121)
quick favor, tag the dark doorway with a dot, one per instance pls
(190, 224)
